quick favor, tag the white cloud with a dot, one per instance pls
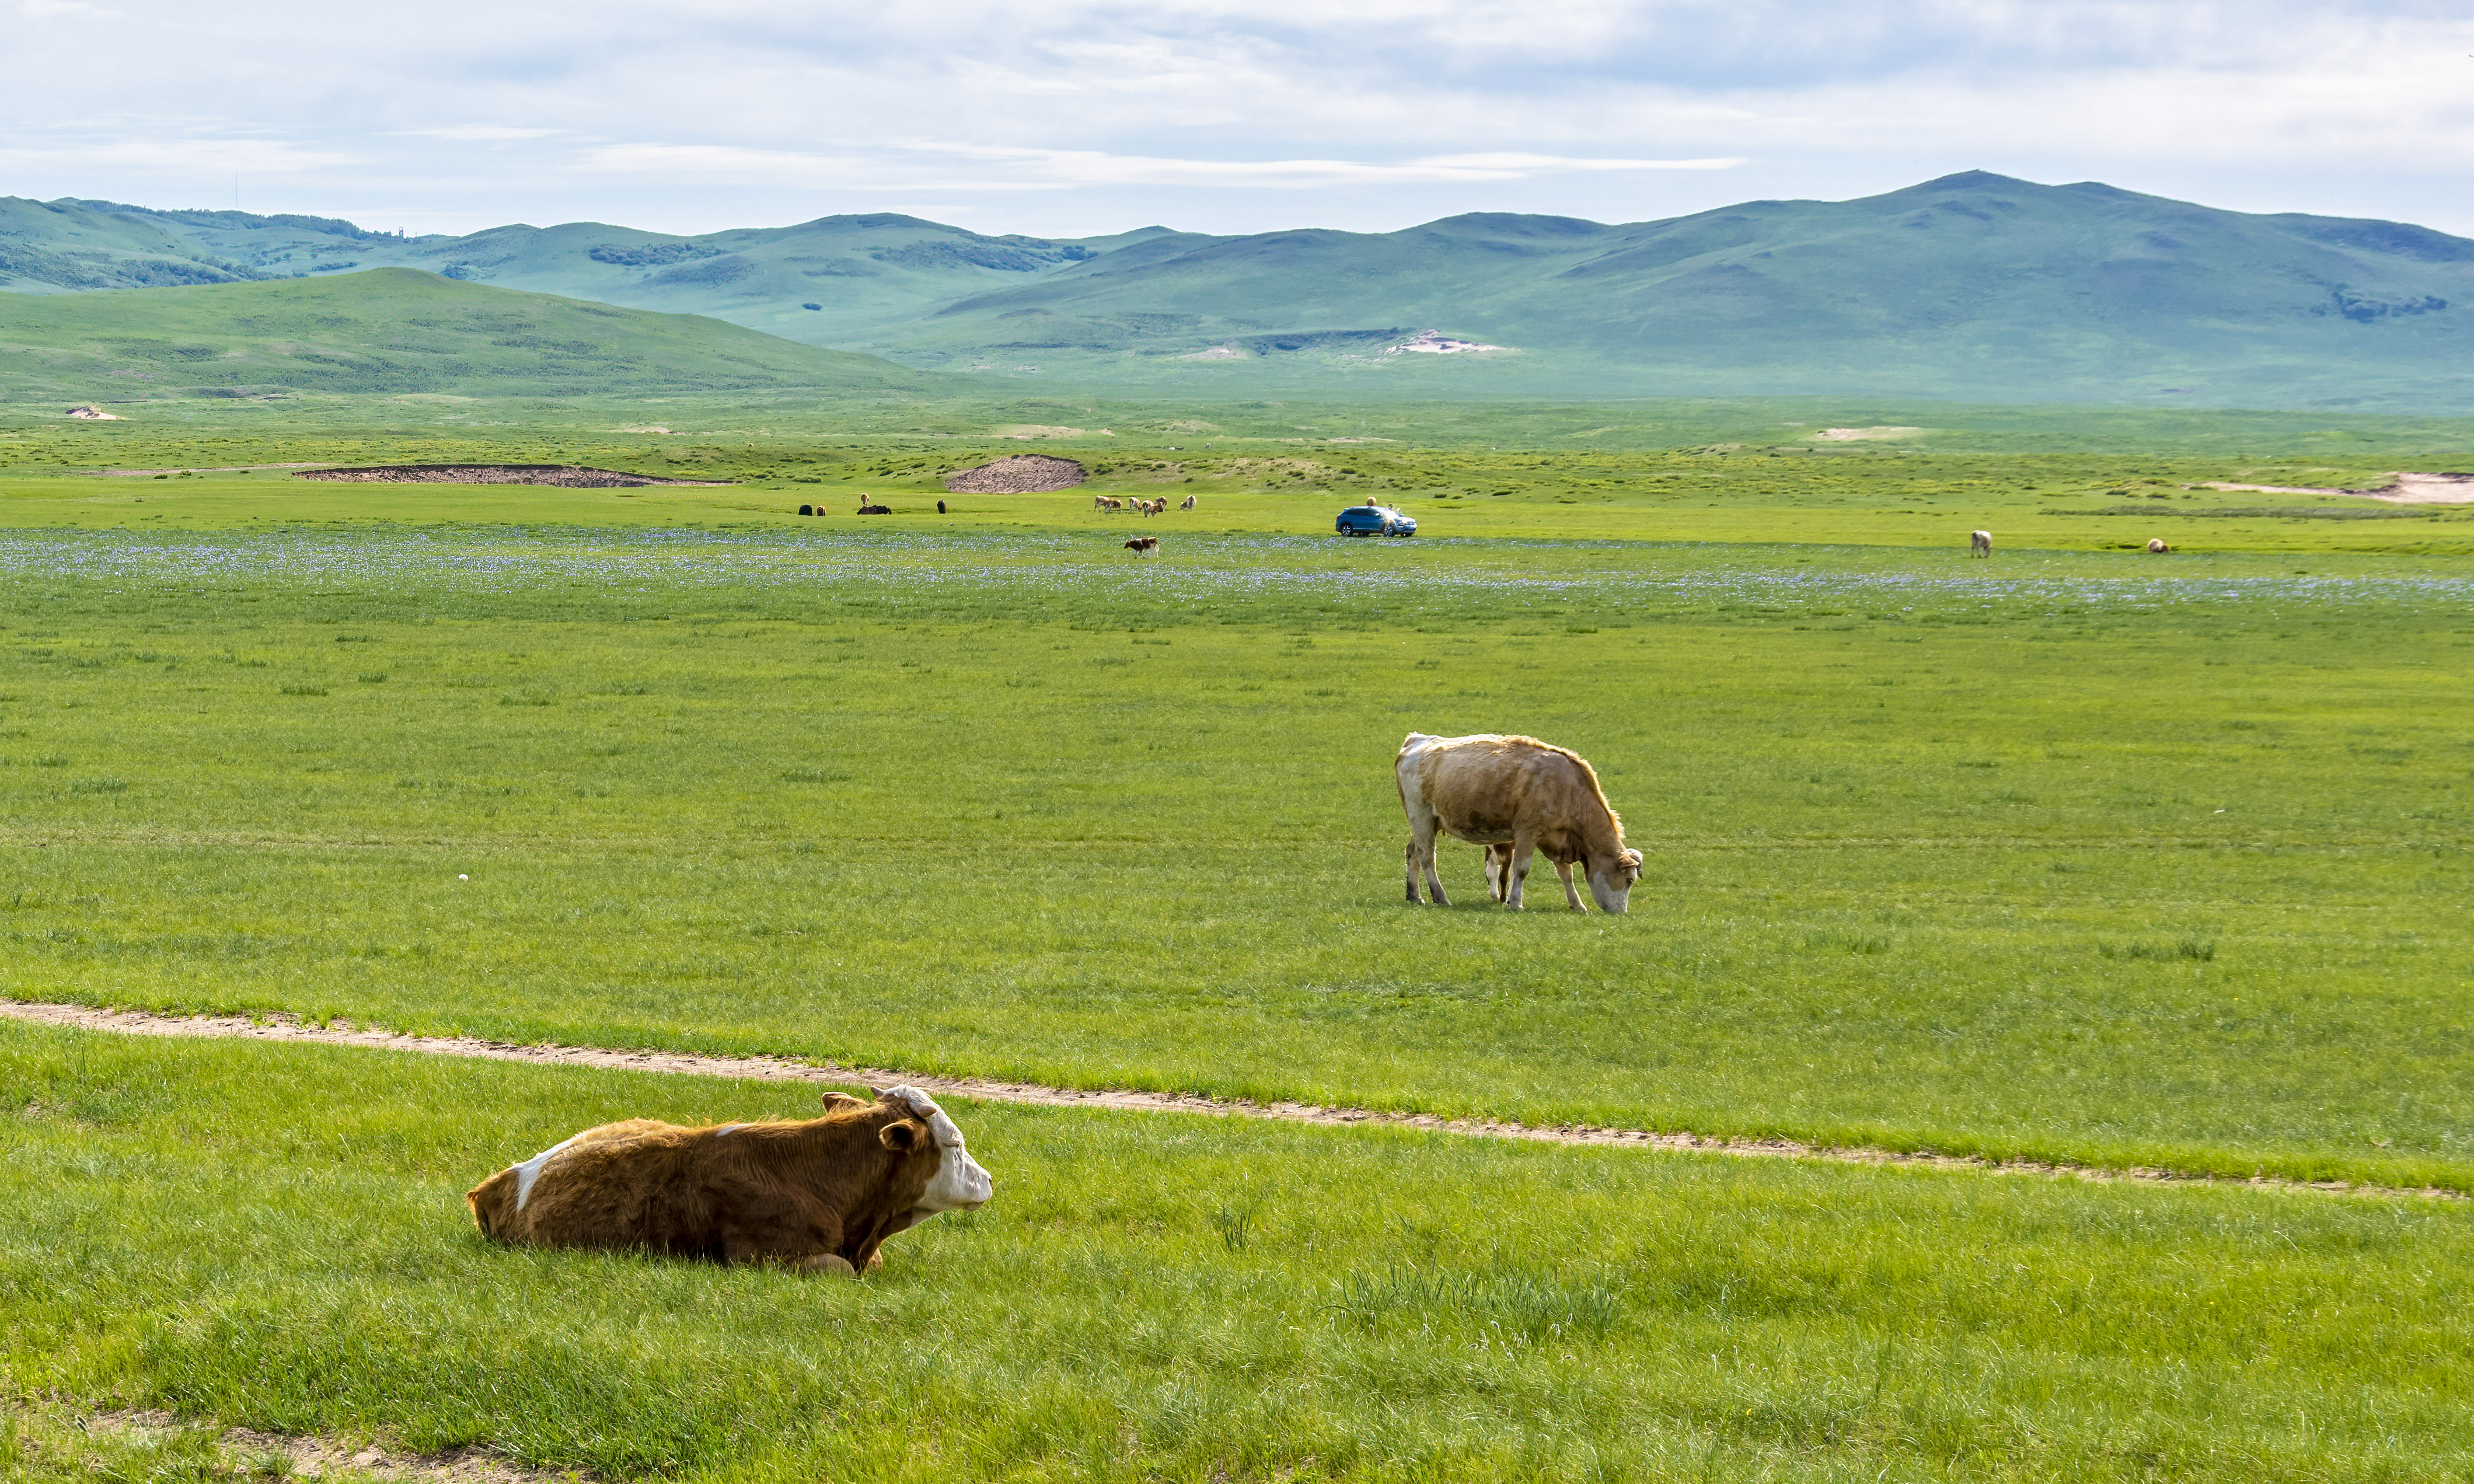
(1242, 112)
(920, 167)
(478, 134)
(169, 157)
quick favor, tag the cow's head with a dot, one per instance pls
(1610, 879)
(958, 1183)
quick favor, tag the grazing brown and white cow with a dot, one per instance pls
(1144, 545)
(819, 1196)
(1187, 503)
(1979, 543)
(1522, 795)
(2156, 547)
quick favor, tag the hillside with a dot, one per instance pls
(1972, 285)
(858, 271)
(390, 331)
(1975, 287)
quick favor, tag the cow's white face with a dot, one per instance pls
(1612, 886)
(959, 1184)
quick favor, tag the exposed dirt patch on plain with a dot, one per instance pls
(566, 477)
(1863, 435)
(247, 1452)
(1022, 473)
(288, 1027)
(2402, 489)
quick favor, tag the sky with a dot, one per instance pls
(1083, 118)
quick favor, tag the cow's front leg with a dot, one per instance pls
(1563, 869)
(1523, 847)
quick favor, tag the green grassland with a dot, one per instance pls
(2075, 856)
(272, 1235)
(2072, 855)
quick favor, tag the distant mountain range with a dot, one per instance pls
(1974, 286)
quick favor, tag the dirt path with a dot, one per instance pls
(288, 1027)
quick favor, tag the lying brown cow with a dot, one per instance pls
(820, 1197)
(1516, 795)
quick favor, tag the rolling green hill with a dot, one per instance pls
(858, 272)
(1975, 286)
(392, 330)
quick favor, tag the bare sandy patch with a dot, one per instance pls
(290, 1028)
(1434, 342)
(312, 1457)
(1022, 473)
(2404, 488)
(1862, 434)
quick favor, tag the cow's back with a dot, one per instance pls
(575, 1186)
(1488, 787)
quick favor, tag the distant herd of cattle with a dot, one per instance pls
(824, 1194)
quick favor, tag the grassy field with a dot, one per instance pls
(2072, 855)
(274, 1235)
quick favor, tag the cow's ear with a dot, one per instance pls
(901, 1137)
(840, 1100)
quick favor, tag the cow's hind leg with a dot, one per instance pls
(1434, 878)
(1523, 847)
(1498, 871)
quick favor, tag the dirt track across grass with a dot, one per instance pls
(289, 1028)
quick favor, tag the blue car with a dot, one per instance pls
(1374, 521)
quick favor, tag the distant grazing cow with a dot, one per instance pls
(2157, 548)
(1980, 543)
(1144, 545)
(1514, 795)
(807, 510)
(818, 1197)
(1188, 504)
(940, 507)
(864, 508)
(1101, 502)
